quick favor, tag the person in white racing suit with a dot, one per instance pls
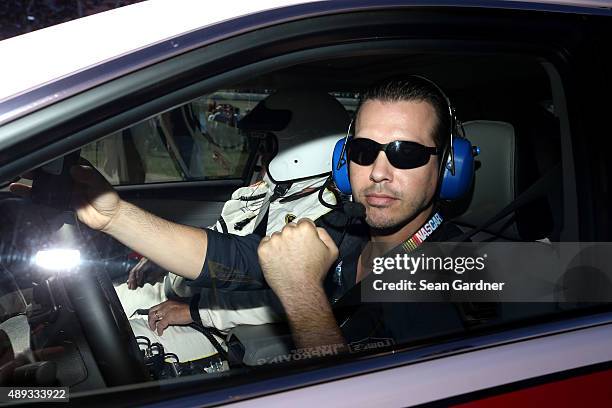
(301, 144)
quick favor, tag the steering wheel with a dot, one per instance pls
(90, 290)
(105, 323)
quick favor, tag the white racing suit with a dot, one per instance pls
(240, 215)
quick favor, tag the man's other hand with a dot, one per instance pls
(296, 258)
(93, 198)
(168, 313)
(143, 272)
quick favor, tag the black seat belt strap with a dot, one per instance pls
(262, 220)
(262, 227)
(537, 189)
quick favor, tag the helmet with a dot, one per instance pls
(306, 125)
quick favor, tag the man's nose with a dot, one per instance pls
(382, 170)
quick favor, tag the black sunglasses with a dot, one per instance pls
(402, 154)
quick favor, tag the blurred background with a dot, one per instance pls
(22, 16)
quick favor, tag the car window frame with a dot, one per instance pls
(171, 98)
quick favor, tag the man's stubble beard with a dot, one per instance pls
(390, 225)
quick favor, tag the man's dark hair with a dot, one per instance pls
(417, 89)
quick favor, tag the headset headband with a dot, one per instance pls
(342, 160)
(451, 114)
(452, 117)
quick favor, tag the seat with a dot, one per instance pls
(506, 166)
(494, 179)
(498, 180)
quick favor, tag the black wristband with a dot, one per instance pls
(194, 309)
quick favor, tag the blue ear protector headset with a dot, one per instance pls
(457, 172)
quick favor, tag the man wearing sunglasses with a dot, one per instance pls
(402, 129)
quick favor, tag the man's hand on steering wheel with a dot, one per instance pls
(95, 201)
(90, 291)
(169, 313)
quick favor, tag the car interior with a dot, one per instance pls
(183, 164)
